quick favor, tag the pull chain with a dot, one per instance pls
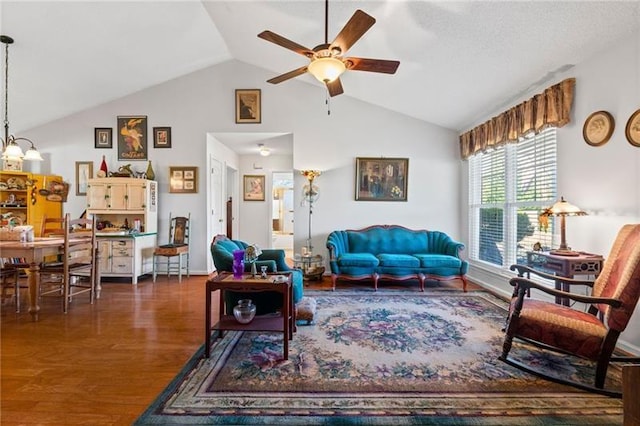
(328, 102)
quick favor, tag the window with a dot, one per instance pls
(508, 188)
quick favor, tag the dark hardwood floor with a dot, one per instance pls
(102, 364)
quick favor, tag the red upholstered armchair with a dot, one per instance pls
(590, 334)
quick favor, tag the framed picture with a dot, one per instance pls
(598, 128)
(183, 180)
(84, 172)
(132, 137)
(162, 137)
(248, 106)
(103, 137)
(253, 187)
(381, 179)
(632, 131)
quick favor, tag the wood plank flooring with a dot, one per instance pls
(102, 364)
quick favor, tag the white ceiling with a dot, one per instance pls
(459, 61)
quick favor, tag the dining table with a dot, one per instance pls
(33, 253)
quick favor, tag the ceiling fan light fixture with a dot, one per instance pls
(326, 70)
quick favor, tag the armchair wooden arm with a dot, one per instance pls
(522, 269)
(522, 285)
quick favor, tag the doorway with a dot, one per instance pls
(282, 212)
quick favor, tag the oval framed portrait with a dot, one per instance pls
(598, 128)
(632, 131)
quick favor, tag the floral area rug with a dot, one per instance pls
(384, 358)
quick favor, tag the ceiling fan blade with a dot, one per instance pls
(359, 23)
(288, 75)
(286, 43)
(335, 88)
(372, 65)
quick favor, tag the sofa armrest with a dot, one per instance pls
(337, 243)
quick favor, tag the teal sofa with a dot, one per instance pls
(393, 252)
(274, 259)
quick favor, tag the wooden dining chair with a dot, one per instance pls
(52, 226)
(176, 252)
(77, 272)
(10, 280)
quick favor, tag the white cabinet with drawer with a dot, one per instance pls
(129, 256)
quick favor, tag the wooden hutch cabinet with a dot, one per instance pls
(126, 210)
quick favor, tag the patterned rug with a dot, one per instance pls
(384, 358)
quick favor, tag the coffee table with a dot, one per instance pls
(283, 321)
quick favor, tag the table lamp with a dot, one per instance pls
(563, 209)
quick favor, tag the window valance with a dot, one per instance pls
(549, 108)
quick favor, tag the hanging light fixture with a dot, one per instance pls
(264, 151)
(12, 154)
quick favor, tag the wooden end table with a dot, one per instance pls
(279, 322)
(565, 266)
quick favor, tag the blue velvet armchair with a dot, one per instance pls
(274, 259)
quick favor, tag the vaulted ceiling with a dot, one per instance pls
(459, 60)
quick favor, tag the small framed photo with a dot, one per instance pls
(162, 137)
(248, 106)
(598, 128)
(632, 131)
(253, 187)
(132, 137)
(84, 172)
(183, 180)
(381, 179)
(103, 137)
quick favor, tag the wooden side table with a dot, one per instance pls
(279, 322)
(565, 266)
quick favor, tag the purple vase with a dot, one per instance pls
(238, 263)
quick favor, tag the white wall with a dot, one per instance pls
(604, 181)
(202, 103)
(255, 216)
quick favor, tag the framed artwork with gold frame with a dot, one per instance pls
(598, 128)
(84, 172)
(381, 179)
(253, 187)
(248, 106)
(632, 131)
(183, 180)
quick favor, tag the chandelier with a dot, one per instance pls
(12, 154)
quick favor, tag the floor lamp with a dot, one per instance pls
(310, 195)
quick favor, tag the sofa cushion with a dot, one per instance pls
(365, 260)
(399, 260)
(394, 240)
(438, 261)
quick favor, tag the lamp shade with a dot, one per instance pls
(327, 69)
(33, 154)
(13, 152)
(564, 208)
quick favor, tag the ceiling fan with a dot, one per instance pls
(327, 61)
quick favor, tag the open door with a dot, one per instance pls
(282, 212)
